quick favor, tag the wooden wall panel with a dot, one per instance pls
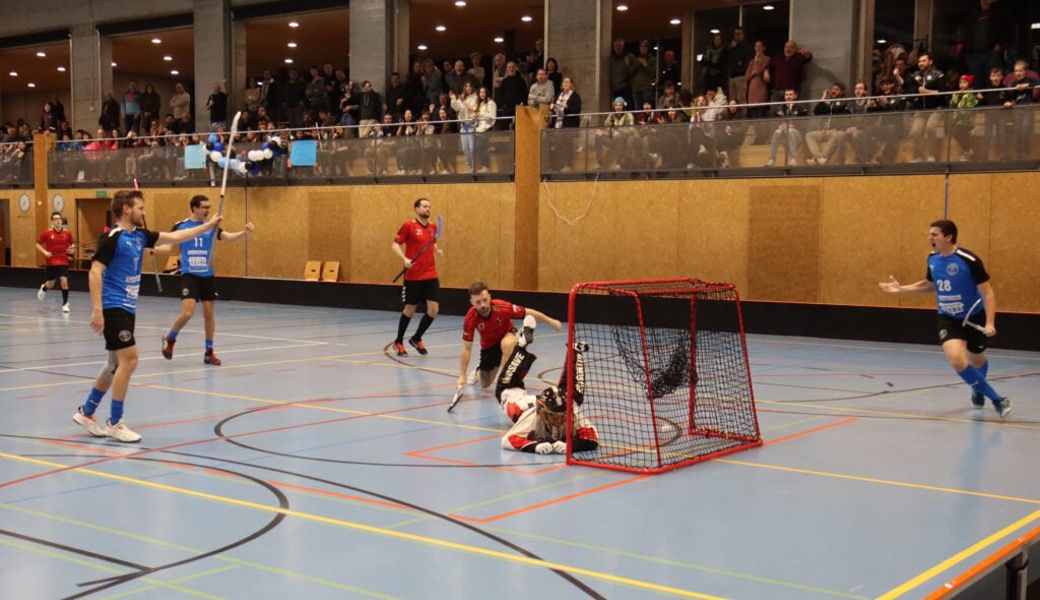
(1013, 257)
(712, 237)
(784, 242)
(874, 227)
(279, 246)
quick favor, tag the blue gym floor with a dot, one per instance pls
(314, 465)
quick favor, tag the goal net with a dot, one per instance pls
(667, 381)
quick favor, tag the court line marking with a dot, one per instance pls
(558, 500)
(422, 455)
(945, 565)
(976, 572)
(892, 413)
(121, 533)
(379, 531)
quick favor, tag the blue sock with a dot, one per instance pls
(93, 399)
(977, 381)
(172, 335)
(984, 369)
(209, 345)
(117, 411)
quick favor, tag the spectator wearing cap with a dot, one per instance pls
(613, 137)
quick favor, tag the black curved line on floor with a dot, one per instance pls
(283, 503)
(71, 549)
(427, 511)
(393, 356)
(218, 429)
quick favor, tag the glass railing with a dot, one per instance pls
(955, 139)
(324, 156)
(16, 164)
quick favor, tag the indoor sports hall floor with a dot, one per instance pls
(313, 465)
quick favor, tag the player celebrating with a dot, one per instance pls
(115, 277)
(56, 243)
(492, 318)
(961, 285)
(539, 422)
(417, 239)
(197, 280)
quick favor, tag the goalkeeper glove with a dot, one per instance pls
(544, 448)
(560, 447)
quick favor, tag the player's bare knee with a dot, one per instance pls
(432, 308)
(409, 310)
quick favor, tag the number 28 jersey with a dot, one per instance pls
(196, 253)
(956, 278)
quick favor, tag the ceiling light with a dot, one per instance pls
(174, 72)
(423, 47)
(288, 61)
(293, 24)
(1035, 26)
(460, 3)
(622, 7)
(441, 28)
(292, 44)
(676, 21)
(167, 58)
(156, 41)
(113, 64)
(768, 7)
(699, 57)
(527, 18)
(13, 73)
(61, 69)
(499, 39)
(31, 84)
(882, 41)
(41, 54)
(713, 31)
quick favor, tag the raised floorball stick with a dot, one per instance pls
(223, 179)
(967, 318)
(455, 399)
(155, 261)
(440, 230)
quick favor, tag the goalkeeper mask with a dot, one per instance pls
(552, 407)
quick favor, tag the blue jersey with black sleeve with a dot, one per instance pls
(121, 252)
(956, 278)
(196, 253)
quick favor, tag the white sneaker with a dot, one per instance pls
(821, 161)
(89, 423)
(65, 307)
(527, 333)
(42, 292)
(472, 379)
(121, 433)
(770, 162)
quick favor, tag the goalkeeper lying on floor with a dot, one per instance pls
(539, 422)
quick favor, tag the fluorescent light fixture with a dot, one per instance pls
(422, 47)
(156, 40)
(294, 24)
(676, 21)
(441, 28)
(292, 44)
(499, 39)
(1035, 26)
(41, 54)
(527, 18)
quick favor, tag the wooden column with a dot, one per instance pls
(528, 154)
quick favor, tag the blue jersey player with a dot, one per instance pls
(965, 298)
(197, 281)
(115, 278)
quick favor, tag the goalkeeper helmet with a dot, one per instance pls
(552, 406)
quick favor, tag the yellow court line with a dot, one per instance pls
(890, 413)
(646, 585)
(960, 556)
(916, 486)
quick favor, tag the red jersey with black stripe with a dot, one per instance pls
(415, 236)
(57, 243)
(495, 326)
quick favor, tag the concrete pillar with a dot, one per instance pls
(402, 41)
(91, 76)
(826, 28)
(372, 46)
(578, 36)
(213, 54)
(237, 82)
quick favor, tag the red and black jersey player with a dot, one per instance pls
(492, 320)
(415, 244)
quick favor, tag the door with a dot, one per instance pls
(92, 218)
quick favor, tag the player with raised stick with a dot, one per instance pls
(55, 244)
(198, 283)
(540, 422)
(492, 318)
(415, 244)
(967, 310)
(115, 279)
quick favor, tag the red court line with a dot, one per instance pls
(554, 501)
(813, 430)
(976, 572)
(422, 454)
(31, 397)
(338, 495)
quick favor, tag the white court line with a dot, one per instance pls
(140, 359)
